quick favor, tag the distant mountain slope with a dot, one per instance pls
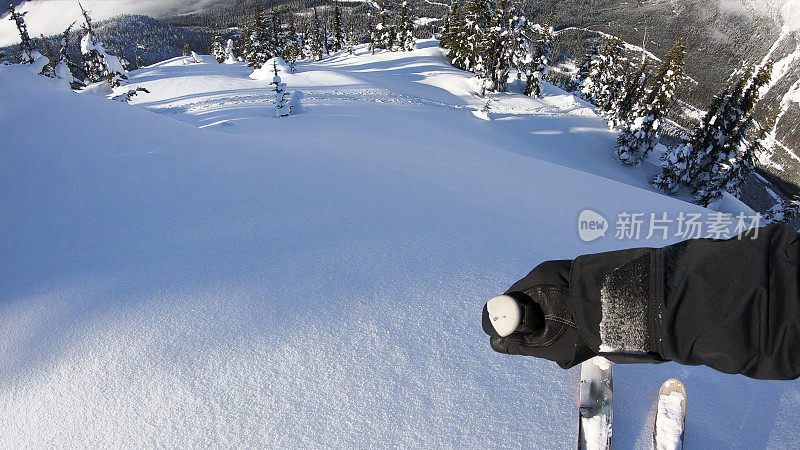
(157, 40)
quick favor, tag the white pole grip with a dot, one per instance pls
(505, 314)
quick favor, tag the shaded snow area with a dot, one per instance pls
(188, 269)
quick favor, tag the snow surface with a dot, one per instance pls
(194, 271)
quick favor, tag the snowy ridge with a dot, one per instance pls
(188, 269)
(628, 46)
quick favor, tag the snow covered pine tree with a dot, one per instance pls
(26, 45)
(639, 135)
(230, 57)
(255, 47)
(540, 59)
(384, 34)
(721, 151)
(218, 50)
(405, 32)
(293, 44)
(63, 69)
(338, 35)
(285, 103)
(98, 64)
(605, 74)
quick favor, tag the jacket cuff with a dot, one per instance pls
(616, 299)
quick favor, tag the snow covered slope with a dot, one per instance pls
(193, 270)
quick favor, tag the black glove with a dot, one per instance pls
(548, 330)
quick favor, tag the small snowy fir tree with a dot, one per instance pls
(538, 67)
(63, 69)
(282, 106)
(49, 69)
(98, 64)
(639, 136)
(230, 57)
(338, 33)
(25, 45)
(126, 97)
(218, 50)
(586, 67)
(405, 32)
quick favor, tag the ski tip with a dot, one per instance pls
(674, 388)
(673, 385)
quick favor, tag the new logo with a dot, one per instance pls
(591, 225)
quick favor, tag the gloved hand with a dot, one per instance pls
(548, 330)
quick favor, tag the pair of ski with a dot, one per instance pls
(596, 409)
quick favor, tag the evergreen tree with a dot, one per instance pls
(586, 67)
(338, 34)
(678, 166)
(98, 64)
(405, 34)
(538, 67)
(282, 108)
(26, 45)
(718, 153)
(455, 38)
(624, 104)
(63, 69)
(498, 52)
(293, 45)
(244, 45)
(383, 34)
(230, 55)
(605, 74)
(478, 22)
(218, 50)
(313, 40)
(276, 44)
(49, 69)
(639, 136)
(256, 40)
(450, 26)
(783, 211)
(727, 168)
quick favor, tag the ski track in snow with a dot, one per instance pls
(189, 270)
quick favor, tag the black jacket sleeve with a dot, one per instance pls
(731, 305)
